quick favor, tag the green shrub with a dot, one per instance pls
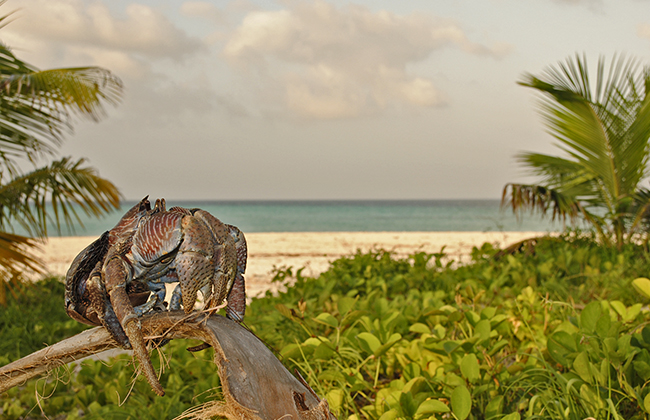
(558, 332)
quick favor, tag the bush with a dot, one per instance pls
(553, 333)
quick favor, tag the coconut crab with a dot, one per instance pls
(122, 275)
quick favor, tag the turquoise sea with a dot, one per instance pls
(353, 216)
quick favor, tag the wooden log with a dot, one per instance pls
(255, 383)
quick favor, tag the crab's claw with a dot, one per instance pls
(225, 256)
(237, 296)
(197, 260)
(118, 271)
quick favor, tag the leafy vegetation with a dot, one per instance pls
(603, 127)
(555, 333)
(37, 108)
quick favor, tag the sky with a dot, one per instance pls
(327, 99)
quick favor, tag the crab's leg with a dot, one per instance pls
(175, 301)
(225, 255)
(194, 263)
(237, 300)
(237, 295)
(100, 304)
(117, 273)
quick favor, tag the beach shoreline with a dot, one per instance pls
(312, 250)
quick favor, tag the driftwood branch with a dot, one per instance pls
(255, 384)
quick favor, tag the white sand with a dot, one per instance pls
(313, 250)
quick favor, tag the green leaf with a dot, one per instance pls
(560, 346)
(582, 367)
(488, 312)
(646, 403)
(472, 317)
(415, 385)
(483, 329)
(390, 415)
(645, 334)
(469, 367)
(327, 319)
(494, 407)
(335, 398)
(511, 416)
(420, 328)
(590, 315)
(392, 340)
(604, 325)
(591, 396)
(619, 307)
(324, 351)
(642, 369)
(408, 404)
(284, 310)
(498, 346)
(290, 351)
(450, 346)
(632, 312)
(642, 285)
(345, 304)
(461, 402)
(432, 406)
(351, 317)
(368, 342)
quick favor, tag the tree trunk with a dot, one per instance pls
(255, 384)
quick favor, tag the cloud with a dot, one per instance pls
(85, 24)
(343, 62)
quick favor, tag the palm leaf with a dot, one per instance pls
(641, 211)
(16, 258)
(15, 254)
(523, 198)
(66, 185)
(603, 129)
(37, 107)
(572, 120)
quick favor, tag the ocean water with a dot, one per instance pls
(353, 216)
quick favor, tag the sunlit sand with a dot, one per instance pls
(312, 250)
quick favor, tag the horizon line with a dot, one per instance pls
(312, 200)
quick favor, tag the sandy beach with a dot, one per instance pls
(312, 250)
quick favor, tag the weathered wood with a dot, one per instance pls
(255, 384)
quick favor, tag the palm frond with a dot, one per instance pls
(82, 89)
(572, 120)
(37, 107)
(566, 177)
(16, 253)
(523, 198)
(640, 211)
(603, 127)
(16, 259)
(66, 185)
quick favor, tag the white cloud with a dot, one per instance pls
(141, 30)
(333, 63)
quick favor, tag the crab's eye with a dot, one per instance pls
(167, 259)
